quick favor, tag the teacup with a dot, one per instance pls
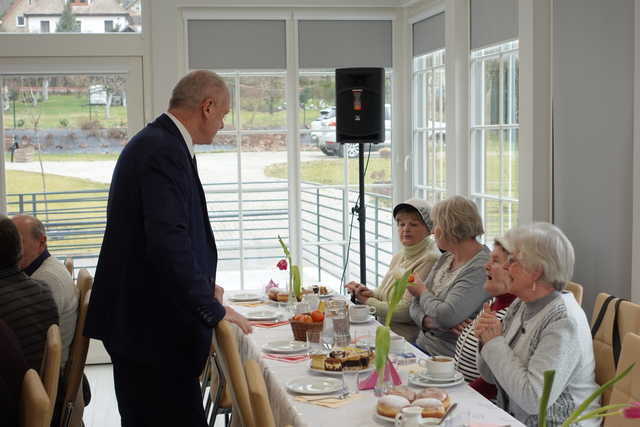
(439, 366)
(360, 313)
(396, 345)
(411, 416)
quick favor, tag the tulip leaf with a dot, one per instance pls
(295, 273)
(383, 342)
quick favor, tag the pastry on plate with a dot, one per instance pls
(283, 296)
(404, 391)
(434, 393)
(391, 404)
(431, 408)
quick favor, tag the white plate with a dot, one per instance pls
(245, 297)
(314, 385)
(424, 422)
(285, 346)
(420, 381)
(425, 376)
(329, 295)
(367, 320)
(262, 315)
(322, 371)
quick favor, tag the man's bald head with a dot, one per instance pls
(34, 238)
(195, 88)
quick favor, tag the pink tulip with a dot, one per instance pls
(632, 411)
(282, 264)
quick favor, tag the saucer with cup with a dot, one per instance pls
(438, 370)
(361, 313)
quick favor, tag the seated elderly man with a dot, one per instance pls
(40, 265)
(26, 305)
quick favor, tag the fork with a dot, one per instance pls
(343, 395)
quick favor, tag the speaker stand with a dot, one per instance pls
(362, 216)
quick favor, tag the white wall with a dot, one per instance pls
(89, 24)
(593, 43)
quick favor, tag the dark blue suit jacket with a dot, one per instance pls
(152, 298)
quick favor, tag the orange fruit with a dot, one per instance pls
(307, 319)
(317, 316)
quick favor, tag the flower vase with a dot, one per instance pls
(292, 301)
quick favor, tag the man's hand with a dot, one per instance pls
(363, 294)
(353, 287)
(461, 326)
(218, 293)
(417, 288)
(427, 323)
(237, 318)
(487, 326)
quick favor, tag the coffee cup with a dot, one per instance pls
(439, 366)
(396, 345)
(410, 416)
(360, 313)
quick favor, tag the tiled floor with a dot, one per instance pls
(103, 409)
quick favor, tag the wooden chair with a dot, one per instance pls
(576, 289)
(626, 390)
(73, 403)
(68, 263)
(215, 392)
(628, 320)
(258, 392)
(226, 347)
(50, 370)
(35, 407)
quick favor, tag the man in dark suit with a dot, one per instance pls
(154, 300)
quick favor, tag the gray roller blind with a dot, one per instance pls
(236, 44)
(493, 21)
(334, 44)
(428, 35)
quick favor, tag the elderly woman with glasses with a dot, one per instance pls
(418, 254)
(544, 329)
(453, 291)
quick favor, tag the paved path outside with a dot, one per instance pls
(213, 167)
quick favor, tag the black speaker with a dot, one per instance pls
(360, 105)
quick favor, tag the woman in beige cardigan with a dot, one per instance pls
(418, 254)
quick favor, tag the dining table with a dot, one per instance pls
(360, 410)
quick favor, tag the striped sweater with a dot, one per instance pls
(28, 308)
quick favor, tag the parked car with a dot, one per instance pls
(323, 133)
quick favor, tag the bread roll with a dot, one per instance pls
(391, 404)
(431, 408)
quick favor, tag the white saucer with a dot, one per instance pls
(367, 320)
(245, 297)
(424, 422)
(322, 371)
(314, 385)
(285, 346)
(329, 295)
(422, 381)
(262, 315)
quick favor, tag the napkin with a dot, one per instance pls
(389, 373)
(329, 402)
(297, 358)
(249, 304)
(269, 324)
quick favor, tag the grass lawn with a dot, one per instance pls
(63, 210)
(330, 171)
(72, 108)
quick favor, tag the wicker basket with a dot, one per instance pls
(300, 329)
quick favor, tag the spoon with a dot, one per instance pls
(446, 414)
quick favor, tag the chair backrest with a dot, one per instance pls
(226, 348)
(35, 407)
(576, 289)
(258, 391)
(74, 368)
(628, 320)
(626, 390)
(68, 263)
(50, 370)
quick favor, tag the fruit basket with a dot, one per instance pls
(301, 323)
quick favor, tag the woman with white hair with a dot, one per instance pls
(453, 291)
(544, 329)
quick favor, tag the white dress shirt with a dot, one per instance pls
(184, 132)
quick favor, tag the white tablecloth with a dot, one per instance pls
(359, 412)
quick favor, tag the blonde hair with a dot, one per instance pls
(544, 246)
(458, 219)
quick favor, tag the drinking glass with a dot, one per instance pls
(341, 339)
(350, 380)
(315, 343)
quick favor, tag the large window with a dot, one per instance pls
(494, 136)
(429, 126)
(27, 16)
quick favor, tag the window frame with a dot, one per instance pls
(497, 51)
(24, 21)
